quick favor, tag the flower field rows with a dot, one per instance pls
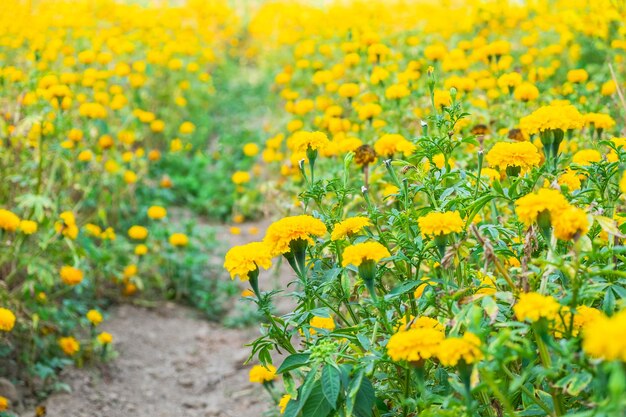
(447, 181)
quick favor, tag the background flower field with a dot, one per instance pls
(444, 183)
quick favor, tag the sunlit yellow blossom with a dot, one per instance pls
(9, 221)
(533, 306)
(69, 345)
(317, 322)
(570, 223)
(390, 144)
(70, 275)
(505, 155)
(94, 317)
(453, 350)
(366, 251)
(241, 177)
(414, 344)
(157, 212)
(137, 232)
(178, 239)
(435, 223)
(261, 374)
(105, 338)
(241, 260)
(281, 233)
(7, 319)
(349, 227)
(586, 157)
(28, 227)
(302, 141)
(282, 404)
(546, 200)
(605, 337)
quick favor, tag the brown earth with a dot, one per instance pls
(173, 363)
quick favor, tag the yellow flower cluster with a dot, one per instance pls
(69, 345)
(261, 374)
(349, 227)
(605, 337)
(414, 344)
(7, 319)
(453, 350)
(533, 306)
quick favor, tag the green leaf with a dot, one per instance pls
(316, 405)
(365, 398)
(575, 383)
(294, 361)
(331, 384)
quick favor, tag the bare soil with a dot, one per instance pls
(172, 363)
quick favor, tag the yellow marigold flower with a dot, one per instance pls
(369, 111)
(605, 337)
(570, 223)
(517, 154)
(569, 179)
(348, 90)
(4, 403)
(622, 183)
(69, 345)
(599, 121)
(9, 221)
(526, 92)
(187, 128)
(105, 338)
(130, 177)
(70, 275)
(67, 225)
(608, 88)
(419, 291)
(435, 224)
(453, 350)
(349, 227)
(28, 227)
(94, 317)
(282, 404)
(261, 374)
(157, 212)
(326, 323)
(397, 91)
(241, 177)
(390, 144)
(442, 99)
(141, 250)
(585, 316)
(85, 156)
(586, 157)
(529, 207)
(553, 117)
(414, 344)
(533, 306)
(250, 149)
(138, 232)
(422, 322)
(577, 76)
(366, 251)
(178, 239)
(303, 141)
(282, 232)
(241, 260)
(7, 319)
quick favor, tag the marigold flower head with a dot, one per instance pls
(281, 233)
(105, 338)
(241, 177)
(586, 157)
(421, 322)
(390, 144)
(553, 117)
(569, 179)
(547, 200)
(570, 223)
(453, 350)
(7, 319)
(137, 232)
(157, 212)
(261, 374)
(435, 223)
(303, 141)
(28, 227)
(94, 317)
(326, 323)
(442, 98)
(605, 337)
(599, 120)
(526, 92)
(349, 227)
(69, 345)
(282, 404)
(533, 306)
(577, 75)
(366, 251)
(414, 344)
(4, 403)
(70, 275)
(241, 260)
(9, 221)
(250, 149)
(517, 154)
(178, 239)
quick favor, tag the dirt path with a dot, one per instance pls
(172, 363)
